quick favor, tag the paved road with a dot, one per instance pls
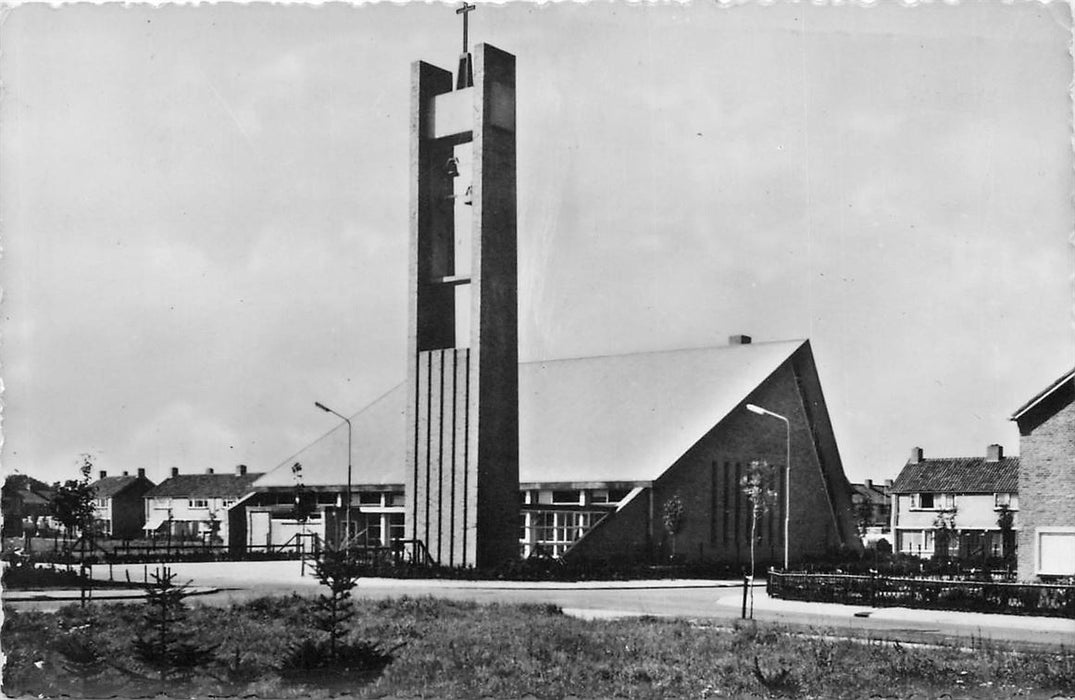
(718, 602)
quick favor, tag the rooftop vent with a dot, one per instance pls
(739, 340)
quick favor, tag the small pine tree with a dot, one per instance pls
(339, 571)
(161, 646)
(334, 660)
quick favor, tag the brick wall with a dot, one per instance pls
(1046, 473)
(623, 535)
(128, 513)
(716, 520)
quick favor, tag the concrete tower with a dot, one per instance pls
(462, 374)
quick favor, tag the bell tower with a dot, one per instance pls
(462, 372)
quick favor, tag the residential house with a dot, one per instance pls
(118, 504)
(1047, 481)
(960, 499)
(872, 505)
(25, 505)
(196, 505)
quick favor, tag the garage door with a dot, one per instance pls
(1056, 553)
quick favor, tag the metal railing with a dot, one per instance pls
(1045, 599)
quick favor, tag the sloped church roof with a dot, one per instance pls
(609, 418)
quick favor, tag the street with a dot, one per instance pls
(705, 601)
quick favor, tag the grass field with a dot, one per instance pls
(466, 650)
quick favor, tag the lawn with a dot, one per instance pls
(467, 650)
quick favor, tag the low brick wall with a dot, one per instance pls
(882, 591)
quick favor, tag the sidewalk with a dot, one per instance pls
(913, 616)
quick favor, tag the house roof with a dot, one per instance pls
(959, 475)
(110, 486)
(204, 486)
(872, 493)
(26, 483)
(1043, 394)
(32, 497)
(610, 418)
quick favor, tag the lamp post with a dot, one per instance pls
(787, 472)
(347, 499)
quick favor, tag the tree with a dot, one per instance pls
(944, 526)
(758, 485)
(863, 517)
(303, 506)
(334, 659)
(72, 501)
(163, 645)
(1006, 523)
(672, 514)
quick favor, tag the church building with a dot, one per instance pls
(475, 459)
(604, 444)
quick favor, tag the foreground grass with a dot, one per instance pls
(466, 650)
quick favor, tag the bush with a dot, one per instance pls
(345, 665)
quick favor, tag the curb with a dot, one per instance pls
(96, 594)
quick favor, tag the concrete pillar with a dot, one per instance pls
(462, 415)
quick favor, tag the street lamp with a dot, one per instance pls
(347, 500)
(787, 472)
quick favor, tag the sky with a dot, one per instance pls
(203, 212)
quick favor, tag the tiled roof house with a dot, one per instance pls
(118, 504)
(970, 492)
(196, 505)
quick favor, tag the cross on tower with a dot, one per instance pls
(465, 10)
(465, 77)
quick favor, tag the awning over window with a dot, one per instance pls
(155, 522)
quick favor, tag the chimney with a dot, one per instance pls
(209, 470)
(141, 473)
(175, 471)
(103, 474)
(739, 340)
(869, 484)
(241, 470)
(994, 453)
(126, 473)
(888, 483)
(916, 455)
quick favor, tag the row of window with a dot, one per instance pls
(196, 503)
(924, 542)
(551, 533)
(947, 501)
(575, 497)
